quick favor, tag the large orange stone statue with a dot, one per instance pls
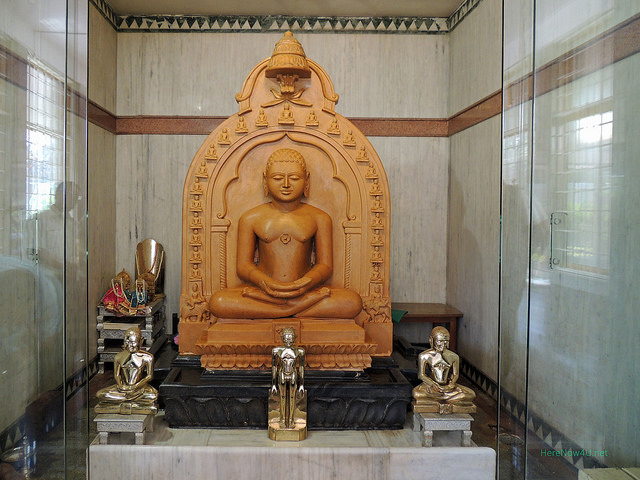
(313, 255)
(287, 235)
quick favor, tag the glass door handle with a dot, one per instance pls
(558, 240)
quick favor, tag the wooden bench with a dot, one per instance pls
(435, 313)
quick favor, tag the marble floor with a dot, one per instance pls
(51, 463)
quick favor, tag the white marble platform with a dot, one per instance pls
(249, 454)
(609, 474)
(107, 423)
(429, 423)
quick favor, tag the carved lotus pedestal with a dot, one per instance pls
(376, 399)
(233, 344)
(228, 387)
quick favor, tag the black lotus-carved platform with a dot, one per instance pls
(378, 399)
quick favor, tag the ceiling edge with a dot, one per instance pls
(282, 23)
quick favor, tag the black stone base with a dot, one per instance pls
(376, 400)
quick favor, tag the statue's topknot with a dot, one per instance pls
(286, 155)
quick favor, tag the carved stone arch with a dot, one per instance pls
(225, 179)
(326, 97)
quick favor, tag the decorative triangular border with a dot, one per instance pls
(105, 9)
(12, 436)
(281, 23)
(462, 11)
(536, 425)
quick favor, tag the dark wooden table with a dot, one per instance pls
(435, 313)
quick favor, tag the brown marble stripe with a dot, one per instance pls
(518, 91)
(371, 127)
(476, 113)
(77, 103)
(186, 125)
(101, 117)
(166, 125)
(402, 127)
(13, 68)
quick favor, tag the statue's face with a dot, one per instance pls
(132, 342)
(286, 181)
(288, 339)
(440, 342)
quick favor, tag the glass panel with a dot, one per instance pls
(76, 310)
(569, 292)
(582, 334)
(43, 325)
(516, 215)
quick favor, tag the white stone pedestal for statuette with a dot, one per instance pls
(429, 423)
(107, 423)
(219, 454)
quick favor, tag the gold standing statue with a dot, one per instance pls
(439, 369)
(132, 370)
(288, 398)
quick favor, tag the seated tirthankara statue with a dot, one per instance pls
(132, 370)
(439, 369)
(316, 260)
(294, 253)
(287, 399)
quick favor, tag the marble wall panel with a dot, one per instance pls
(102, 66)
(474, 186)
(200, 73)
(102, 221)
(418, 175)
(102, 168)
(475, 47)
(150, 173)
(396, 76)
(473, 241)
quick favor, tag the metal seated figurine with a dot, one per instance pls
(439, 369)
(132, 370)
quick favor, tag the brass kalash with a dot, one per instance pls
(285, 226)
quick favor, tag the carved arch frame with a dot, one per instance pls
(334, 148)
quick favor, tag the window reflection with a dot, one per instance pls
(44, 138)
(581, 154)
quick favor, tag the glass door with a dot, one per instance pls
(570, 236)
(43, 234)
